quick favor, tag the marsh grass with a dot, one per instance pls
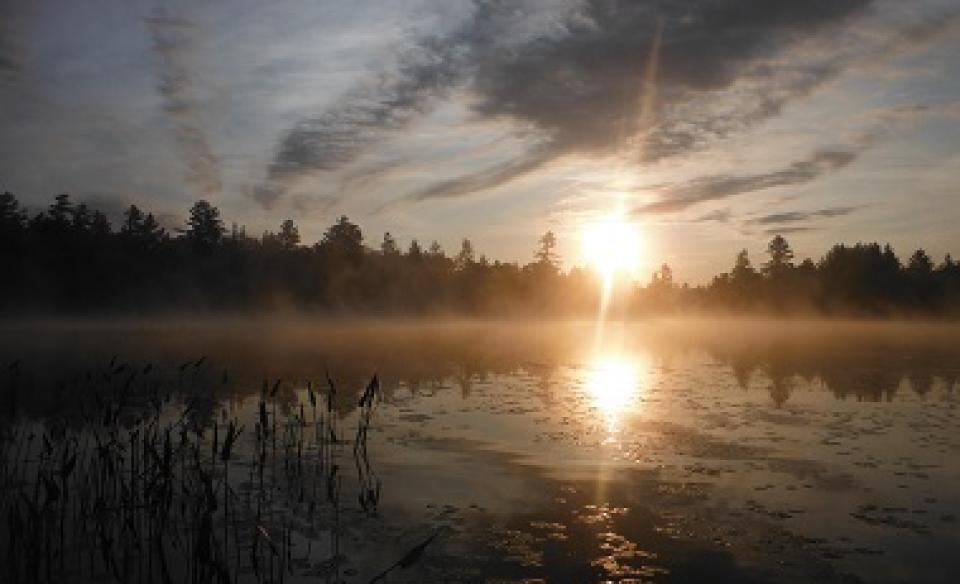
(150, 479)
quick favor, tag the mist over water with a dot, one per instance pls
(664, 450)
(845, 356)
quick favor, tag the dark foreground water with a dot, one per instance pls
(714, 451)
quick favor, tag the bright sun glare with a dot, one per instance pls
(612, 245)
(612, 382)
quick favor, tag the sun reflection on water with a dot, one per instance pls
(614, 384)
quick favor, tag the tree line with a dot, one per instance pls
(866, 279)
(70, 259)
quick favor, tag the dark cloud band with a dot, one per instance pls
(486, 179)
(800, 216)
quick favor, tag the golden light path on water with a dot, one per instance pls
(613, 382)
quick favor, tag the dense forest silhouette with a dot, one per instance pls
(69, 259)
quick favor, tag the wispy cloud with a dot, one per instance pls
(905, 113)
(718, 216)
(799, 216)
(721, 186)
(171, 40)
(11, 60)
(487, 178)
(789, 230)
(371, 173)
(339, 135)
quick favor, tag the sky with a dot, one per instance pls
(711, 125)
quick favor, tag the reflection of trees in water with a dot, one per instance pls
(858, 362)
(546, 381)
(868, 370)
(418, 359)
(464, 382)
(742, 372)
(781, 386)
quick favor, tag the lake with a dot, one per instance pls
(657, 451)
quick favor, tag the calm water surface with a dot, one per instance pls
(661, 451)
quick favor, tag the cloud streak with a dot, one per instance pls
(799, 216)
(718, 216)
(722, 186)
(485, 179)
(171, 39)
(11, 60)
(789, 230)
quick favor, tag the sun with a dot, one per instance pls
(611, 246)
